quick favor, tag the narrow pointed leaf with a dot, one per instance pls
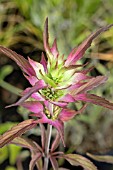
(46, 43)
(68, 97)
(20, 60)
(35, 158)
(37, 146)
(43, 135)
(78, 160)
(46, 37)
(33, 106)
(32, 79)
(54, 49)
(16, 131)
(44, 62)
(58, 124)
(56, 142)
(37, 68)
(68, 114)
(39, 164)
(54, 163)
(57, 153)
(101, 158)
(91, 98)
(26, 143)
(77, 53)
(91, 84)
(39, 85)
(35, 95)
(87, 70)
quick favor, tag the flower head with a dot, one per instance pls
(57, 82)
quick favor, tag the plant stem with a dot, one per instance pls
(10, 87)
(47, 144)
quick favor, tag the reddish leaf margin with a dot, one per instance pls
(16, 131)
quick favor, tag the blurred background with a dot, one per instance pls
(21, 28)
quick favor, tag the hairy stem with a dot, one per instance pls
(47, 144)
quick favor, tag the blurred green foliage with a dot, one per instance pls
(10, 168)
(5, 71)
(12, 152)
(21, 28)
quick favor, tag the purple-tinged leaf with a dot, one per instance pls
(46, 37)
(43, 135)
(58, 124)
(85, 71)
(101, 158)
(91, 84)
(56, 154)
(55, 143)
(91, 98)
(44, 62)
(78, 160)
(37, 146)
(79, 77)
(76, 66)
(39, 85)
(34, 160)
(77, 53)
(20, 60)
(75, 86)
(35, 95)
(39, 164)
(33, 106)
(67, 98)
(61, 104)
(16, 131)
(68, 114)
(54, 163)
(32, 79)
(26, 143)
(54, 49)
(37, 68)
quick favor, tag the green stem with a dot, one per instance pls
(47, 144)
(10, 87)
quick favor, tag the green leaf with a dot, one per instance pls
(10, 168)
(3, 154)
(5, 71)
(78, 160)
(14, 152)
(101, 158)
(5, 126)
